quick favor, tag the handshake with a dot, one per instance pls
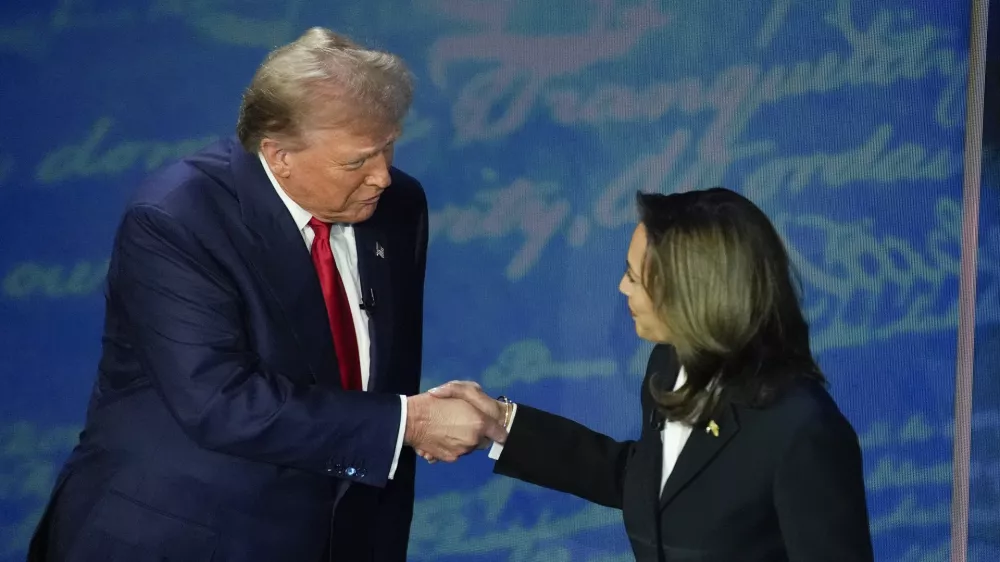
(452, 420)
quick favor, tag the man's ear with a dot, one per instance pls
(277, 157)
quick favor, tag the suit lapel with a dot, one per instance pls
(702, 446)
(283, 262)
(374, 256)
(664, 366)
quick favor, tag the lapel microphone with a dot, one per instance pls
(655, 420)
(368, 301)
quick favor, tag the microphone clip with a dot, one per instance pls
(368, 303)
(656, 421)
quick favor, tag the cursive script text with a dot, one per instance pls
(34, 279)
(95, 155)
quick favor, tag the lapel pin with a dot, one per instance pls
(379, 250)
(712, 428)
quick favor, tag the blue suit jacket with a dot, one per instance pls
(217, 428)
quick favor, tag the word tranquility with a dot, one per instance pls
(499, 101)
(527, 72)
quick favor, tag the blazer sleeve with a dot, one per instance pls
(190, 339)
(420, 276)
(819, 494)
(562, 455)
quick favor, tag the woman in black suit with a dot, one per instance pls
(743, 456)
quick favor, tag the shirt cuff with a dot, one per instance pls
(399, 437)
(497, 448)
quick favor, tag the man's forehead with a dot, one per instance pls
(360, 138)
(379, 139)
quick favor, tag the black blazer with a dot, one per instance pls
(782, 483)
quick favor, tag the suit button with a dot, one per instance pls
(362, 472)
(350, 471)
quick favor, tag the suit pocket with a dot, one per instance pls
(123, 529)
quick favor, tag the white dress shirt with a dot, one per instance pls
(673, 436)
(345, 254)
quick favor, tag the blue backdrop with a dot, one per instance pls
(533, 125)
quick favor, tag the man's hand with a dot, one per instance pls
(447, 428)
(473, 394)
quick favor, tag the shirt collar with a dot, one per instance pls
(681, 378)
(299, 215)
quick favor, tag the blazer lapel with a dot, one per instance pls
(702, 446)
(374, 258)
(284, 264)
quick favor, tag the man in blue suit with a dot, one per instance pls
(258, 394)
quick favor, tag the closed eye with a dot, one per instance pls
(355, 164)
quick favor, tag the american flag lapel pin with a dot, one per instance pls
(712, 428)
(379, 250)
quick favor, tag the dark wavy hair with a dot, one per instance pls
(720, 278)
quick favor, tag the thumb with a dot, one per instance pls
(444, 391)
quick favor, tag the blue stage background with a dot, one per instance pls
(984, 516)
(533, 125)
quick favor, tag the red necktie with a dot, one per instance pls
(338, 309)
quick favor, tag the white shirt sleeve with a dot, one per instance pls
(497, 448)
(399, 437)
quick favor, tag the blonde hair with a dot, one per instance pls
(720, 278)
(322, 79)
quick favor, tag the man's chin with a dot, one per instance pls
(365, 211)
(357, 212)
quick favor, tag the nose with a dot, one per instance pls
(622, 285)
(379, 175)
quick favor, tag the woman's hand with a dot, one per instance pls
(472, 393)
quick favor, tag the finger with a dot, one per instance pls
(474, 395)
(444, 391)
(472, 384)
(450, 388)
